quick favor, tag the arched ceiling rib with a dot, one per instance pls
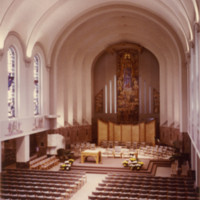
(44, 21)
(173, 19)
(124, 25)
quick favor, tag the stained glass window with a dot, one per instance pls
(36, 93)
(11, 66)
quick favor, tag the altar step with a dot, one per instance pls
(151, 169)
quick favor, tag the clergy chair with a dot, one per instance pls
(117, 153)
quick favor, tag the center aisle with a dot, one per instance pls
(89, 187)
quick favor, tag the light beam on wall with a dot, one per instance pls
(106, 99)
(115, 94)
(196, 10)
(2, 39)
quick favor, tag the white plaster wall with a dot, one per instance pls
(148, 73)
(23, 149)
(55, 142)
(3, 87)
(163, 93)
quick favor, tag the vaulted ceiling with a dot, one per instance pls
(92, 25)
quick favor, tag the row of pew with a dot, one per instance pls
(130, 186)
(40, 185)
(44, 162)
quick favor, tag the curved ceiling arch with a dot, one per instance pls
(46, 21)
(107, 12)
(116, 33)
(21, 16)
(173, 19)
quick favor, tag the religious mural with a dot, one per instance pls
(128, 86)
(99, 102)
(156, 101)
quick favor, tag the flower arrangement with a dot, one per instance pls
(125, 163)
(67, 164)
(71, 161)
(132, 159)
(132, 163)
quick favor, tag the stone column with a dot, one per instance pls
(23, 151)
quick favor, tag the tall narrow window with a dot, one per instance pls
(11, 66)
(36, 92)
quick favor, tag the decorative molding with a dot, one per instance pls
(14, 128)
(38, 123)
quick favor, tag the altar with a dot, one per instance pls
(93, 153)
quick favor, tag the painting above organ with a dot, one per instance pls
(126, 84)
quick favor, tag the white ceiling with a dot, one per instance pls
(92, 25)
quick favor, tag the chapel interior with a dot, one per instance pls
(100, 99)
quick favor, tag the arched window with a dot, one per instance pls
(36, 93)
(11, 66)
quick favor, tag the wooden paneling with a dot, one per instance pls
(135, 133)
(142, 132)
(102, 131)
(126, 133)
(111, 131)
(150, 132)
(117, 132)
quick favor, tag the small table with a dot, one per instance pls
(94, 153)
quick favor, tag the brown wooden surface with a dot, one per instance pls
(102, 131)
(126, 132)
